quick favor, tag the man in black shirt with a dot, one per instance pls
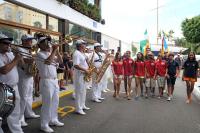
(172, 74)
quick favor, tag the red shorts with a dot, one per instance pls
(189, 79)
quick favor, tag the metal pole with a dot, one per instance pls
(157, 23)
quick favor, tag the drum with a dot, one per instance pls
(7, 100)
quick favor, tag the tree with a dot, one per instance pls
(37, 24)
(191, 29)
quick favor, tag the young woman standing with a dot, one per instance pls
(139, 74)
(117, 69)
(190, 74)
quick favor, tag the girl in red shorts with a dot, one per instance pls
(190, 74)
(139, 74)
(117, 68)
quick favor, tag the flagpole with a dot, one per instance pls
(157, 22)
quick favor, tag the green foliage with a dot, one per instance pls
(84, 7)
(191, 29)
(37, 24)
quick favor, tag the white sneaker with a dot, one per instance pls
(101, 98)
(104, 91)
(23, 123)
(107, 89)
(86, 108)
(33, 116)
(169, 99)
(81, 112)
(56, 123)
(47, 129)
(97, 101)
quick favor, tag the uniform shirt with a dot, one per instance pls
(80, 60)
(12, 77)
(190, 68)
(22, 68)
(150, 66)
(97, 60)
(117, 67)
(161, 67)
(172, 66)
(139, 69)
(128, 64)
(45, 71)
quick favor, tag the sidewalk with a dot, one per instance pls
(38, 100)
(196, 90)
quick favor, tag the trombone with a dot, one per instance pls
(29, 55)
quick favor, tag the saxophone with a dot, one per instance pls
(88, 77)
(102, 70)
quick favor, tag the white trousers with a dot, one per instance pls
(50, 100)
(80, 91)
(26, 97)
(104, 81)
(1, 131)
(13, 119)
(96, 90)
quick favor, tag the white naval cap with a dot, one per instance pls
(97, 45)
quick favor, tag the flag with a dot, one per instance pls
(144, 44)
(164, 47)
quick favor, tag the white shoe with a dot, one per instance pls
(97, 101)
(107, 89)
(47, 129)
(56, 123)
(23, 123)
(33, 116)
(101, 98)
(81, 112)
(86, 108)
(104, 91)
(169, 99)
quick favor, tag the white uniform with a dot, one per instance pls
(105, 76)
(97, 87)
(11, 79)
(79, 83)
(49, 89)
(1, 131)
(25, 90)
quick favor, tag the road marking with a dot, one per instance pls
(62, 112)
(62, 94)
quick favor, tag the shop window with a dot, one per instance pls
(53, 24)
(15, 13)
(13, 32)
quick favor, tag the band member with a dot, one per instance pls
(104, 82)
(149, 74)
(117, 68)
(26, 81)
(97, 61)
(1, 131)
(128, 64)
(139, 74)
(190, 74)
(46, 62)
(9, 75)
(172, 74)
(80, 69)
(160, 74)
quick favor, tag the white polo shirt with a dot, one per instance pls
(79, 59)
(45, 71)
(12, 77)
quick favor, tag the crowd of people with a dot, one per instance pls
(85, 68)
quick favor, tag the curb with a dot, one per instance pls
(62, 94)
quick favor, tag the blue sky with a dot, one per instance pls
(128, 19)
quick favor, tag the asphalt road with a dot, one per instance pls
(150, 115)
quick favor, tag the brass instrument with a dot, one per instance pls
(88, 77)
(102, 70)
